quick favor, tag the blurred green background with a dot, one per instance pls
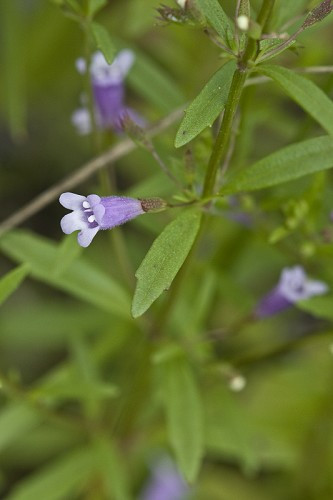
(82, 400)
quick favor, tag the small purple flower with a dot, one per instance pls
(109, 93)
(293, 286)
(92, 213)
(166, 483)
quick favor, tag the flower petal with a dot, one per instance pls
(86, 236)
(99, 211)
(313, 287)
(93, 200)
(71, 200)
(72, 222)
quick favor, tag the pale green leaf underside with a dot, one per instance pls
(82, 279)
(287, 164)
(11, 281)
(206, 107)
(164, 259)
(103, 41)
(184, 415)
(303, 91)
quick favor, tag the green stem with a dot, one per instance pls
(224, 133)
(235, 93)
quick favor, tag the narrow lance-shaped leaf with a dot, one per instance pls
(103, 41)
(216, 17)
(164, 259)
(207, 105)
(303, 91)
(287, 164)
(81, 279)
(184, 415)
(11, 281)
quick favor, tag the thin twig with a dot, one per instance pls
(82, 174)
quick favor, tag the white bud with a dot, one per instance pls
(243, 23)
(237, 383)
(181, 3)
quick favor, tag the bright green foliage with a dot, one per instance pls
(310, 97)
(103, 41)
(164, 259)
(95, 6)
(287, 164)
(319, 306)
(184, 415)
(12, 280)
(82, 280)
(96, 403)
(58, 480)
(206, 107)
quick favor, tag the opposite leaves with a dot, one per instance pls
(164, 259)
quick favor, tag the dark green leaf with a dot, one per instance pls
(207, 105)
(310, 97)
(216, 17)
(103, 41)
(289, 163)
(12, 280)
(82, 279)
(164, 259)
(184, 415)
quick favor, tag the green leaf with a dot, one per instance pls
(58, 480)
(287, 164)
(12, 280)
(310, 97)
(207, 105)
(82, 280)
(273, 44)
(95, 6)
(164, 259)
(103, 41)
(16, 420)
(318, 306)
(113, 469)
(184, 415)
(216, 17)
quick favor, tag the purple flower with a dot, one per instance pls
(166, 483)
(109, 93)
(92, 213)
(293, 286)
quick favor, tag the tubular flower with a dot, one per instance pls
(108, 91)
(166, 483)
(92, 213)
(293, 286)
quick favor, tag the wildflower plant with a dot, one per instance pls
(198, 323)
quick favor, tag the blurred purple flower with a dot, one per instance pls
(92, 213)
(109, 93)
(293, 286)
(166, 483)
